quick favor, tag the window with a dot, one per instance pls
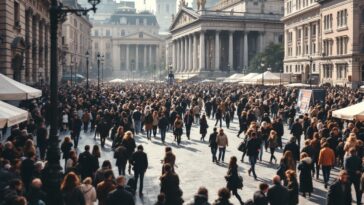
(341, 71)
(289, 7)
(108, 33)
(342, 45)
(313, 30)
(286, 68)
(96, 32)
(16, 14)
(298, 4)
(140, 35)
(290, 68)
(327, 47)
(290, 37)
(299, 35)
(328, 22)
(342, 18)
(327, 70)
(313, 67)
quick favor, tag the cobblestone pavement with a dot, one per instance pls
(195, 167)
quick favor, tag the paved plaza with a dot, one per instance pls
(195, 167)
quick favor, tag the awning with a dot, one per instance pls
(11, 115)
(354, 112)
(13, 90)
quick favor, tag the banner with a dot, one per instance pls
(303, 101)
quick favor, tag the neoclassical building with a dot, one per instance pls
(129, 41)
(25, 40)
(325, 39)
(224, 39)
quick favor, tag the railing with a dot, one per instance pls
(241, 14)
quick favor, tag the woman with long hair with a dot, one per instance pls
(96, 154)
(272, 144)
(155, 123)
(66, 147)
(71, 161)
(292, 186)
(70, 190)
(203, 127)
(178, 129)
(234, 181)
(118, 137)
(129, 143)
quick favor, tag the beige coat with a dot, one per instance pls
(222, 140)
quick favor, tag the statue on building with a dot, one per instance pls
(201, 4)
(182, 3)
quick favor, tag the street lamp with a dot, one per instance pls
(98, 57)
(262, 68)
(53, 169)
(87, 67)
(310, 73)
(102, 69)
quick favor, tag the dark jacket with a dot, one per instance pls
(293, 192)
(86, 164)
(119, 196)
(121, 155)
(278, 195)
(260, 198)
(163, 123)
(305, 168)
(293, 147)
(200, 200)
(73, 197)
(297, 129)
(170, 187)
(139, 161)
(253, 146)
(353, 165)
(336, 195)
(212, 140)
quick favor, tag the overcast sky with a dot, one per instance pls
(148, 4)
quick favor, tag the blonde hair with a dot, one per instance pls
(87, 181)
(128, 135)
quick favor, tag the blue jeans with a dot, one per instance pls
(253, 161)
(326, 173)
(221, 153)
(163, 134)
(138, 126)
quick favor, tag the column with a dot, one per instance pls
(231, 50)
(178, 55)
(318, 45)
(127, 57)
(29, 53)
(35, 48)
(136, 57)
(302, 42)
(309, 39)
(174, 63)
(261, 41)
(246, 55)
(157, 56)
(116, 57)
(202, 51)
(194, 56)
(150, 55)
(145, 57)
(182, 55)
(190, 51)
(217, 50)
(186, 55)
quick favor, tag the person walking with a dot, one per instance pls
(213, 144)
(297, 131)
(42, 140)
(326, 161)
(201, 197)
(252, 150)
(188, 120)
(305, 168)
(148, 124)
(86, 163)
(70, 190)
(163, 125)
(203, 127)
(278, 194)
(170, 186)
(120, 195)
(169, 158)
(272, 144)
(105, 187)
(260, 196)
(139, 160)
(129, 143)
(292, 187)
(353, 166)
(178, 129)
(222, 142)
(88, 191)
(121, 156)
(76, 130)
(155, 123)
(340, 191)
(234, 181)
(223, 197)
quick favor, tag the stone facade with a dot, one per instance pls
(25, 40)
(130, 41)
(76, 40)
(224, 39)
(331, 34)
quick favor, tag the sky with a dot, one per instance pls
(148, 4)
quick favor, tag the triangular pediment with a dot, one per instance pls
(184, 17)
(141, 35)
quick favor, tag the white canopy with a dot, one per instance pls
(13, 90)
(117, 80)
(354, 112)
(234, 78)
(11, 115)
(293, 85)
(249, 76)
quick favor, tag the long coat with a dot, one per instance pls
(305, 167)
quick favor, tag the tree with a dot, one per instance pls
(271, 57)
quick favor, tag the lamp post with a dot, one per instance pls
(87, 67)
(102, 69)
(53, 169)
(71, 67)
(262, 68)
(98, 57)
(280, 77)
(310, 72)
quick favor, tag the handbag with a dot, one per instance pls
(240, 182)
(242, 146)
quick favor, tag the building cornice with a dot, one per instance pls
(300, 12)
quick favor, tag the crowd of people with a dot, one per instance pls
(120, 113)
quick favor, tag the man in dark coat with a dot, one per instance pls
(76, 130)
(85, 161)
(252, 150)
(120, 196)
(27, 169)
(139, 160)
(213, 144)
(188, 120)
(260, 197)
(353, 167)
(340, 191)
(293, 147)
(162, 125)
(42, 140)
(121, 156)
(278, 194)
(297, 131)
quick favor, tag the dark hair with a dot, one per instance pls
(106, 164)
(140, 147)
(161, 197)
(168, 149)
(263, 186)
(223, 193)
(167, 167)
(203, 191)
(87, 148)
(232, 162)
(108, 173)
